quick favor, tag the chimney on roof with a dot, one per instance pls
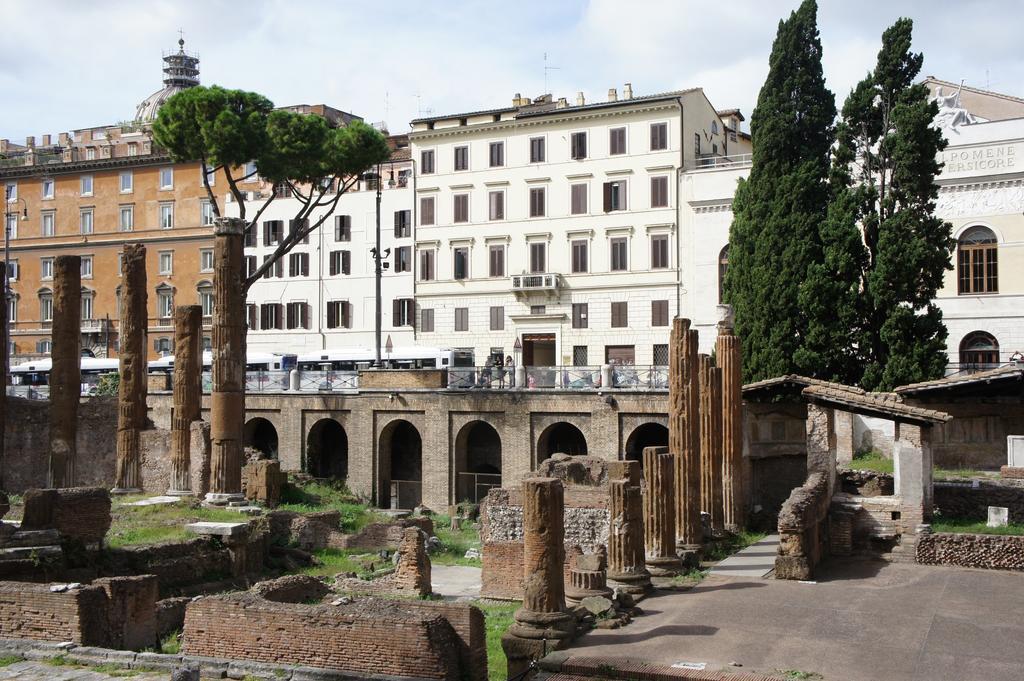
(627, 91)
(46, 140)
(30, 141)
(63, 139)
(515, 99)
(562, 103)
(580, 101)
(613, 96)
(4, 145)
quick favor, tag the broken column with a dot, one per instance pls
(227, 399)
(131, 390)
(188, 394)
(626, 560)
(683, 436)
(542, 624)
(587, 578)
(711, 443)
(660, 512)
(728, 355)
(65, 369)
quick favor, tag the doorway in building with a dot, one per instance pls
(539, 349)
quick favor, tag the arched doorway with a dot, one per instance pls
(561, 438)
(645, 435)
(979, 350)
(401, 460)
(327, 450)
(477, 461)
(262, 435)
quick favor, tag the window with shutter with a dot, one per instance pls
(427, 320)
(462, 319)
(333, 308)
(659, 136)
(496, 205)
(299, 227)
(250, 236)
(579, 145)
(346, 262)
(460, 211)
(427, 161)
(659, 313)
(536, 150)
(620, 255)
(497, 318)
(396, 312)
(659, 251)
(497, 154)
(538, 258)
(461, 158)
(614, 196)
(578, 199)
(343, 228)
(426, 265)
(659, 192)
(346, 314)
(402, 224)
(496, 261)
(460, 263)
(334, 263)
(617, 141)
(579, 256)
(537, 202)
(427, 210)
(579, 316)
(620, 315)
(250, 265)
(252, 316)
(403, 259)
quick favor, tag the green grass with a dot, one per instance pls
(797, 675)
(455, 543)
(721, 550)
(960, 526)
(333, 561)
(171, 644)
(691, 578)
(141, 525)
(116, 670)
(940, 473)
(872, 460)
(497, 619)
(8, 660)
(318, 496)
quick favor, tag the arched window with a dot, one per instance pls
(165, 301)
(723, 267)
(977, 262)
(979, 350)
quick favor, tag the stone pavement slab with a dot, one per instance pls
(755, 561)
(860, 621)
(455, 581)
(155, 501)
(42, 671)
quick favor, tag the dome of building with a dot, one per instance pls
(181, 71)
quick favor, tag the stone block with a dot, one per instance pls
(80, 513)
(262, 481)
(223, 530)
(998, 516)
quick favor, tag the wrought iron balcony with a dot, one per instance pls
(548, 283)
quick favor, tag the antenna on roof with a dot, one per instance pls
(546, 69)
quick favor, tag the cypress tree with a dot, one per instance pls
(884, 179)
(779, 209)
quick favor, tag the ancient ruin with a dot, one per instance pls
(543, 623)
(227, 400)
(132, 388)
(588, 578)
(188, 395)
(659, 502)
(65, 373)
(684, 435)
(711, 444)
(728, 356)
(626, 569)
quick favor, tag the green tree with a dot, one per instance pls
(301, 155)
(774, 241)
(884, 170)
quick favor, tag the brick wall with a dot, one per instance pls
(803, 529)
(368, 637)
(995, 552)
(79, 513)
(176, 566)
(403, 379)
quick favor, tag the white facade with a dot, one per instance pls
(306, 276)
(536, 293)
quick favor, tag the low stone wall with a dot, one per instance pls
(867, 483)
(366, 637)
(176, 566)
(119, 612)
(398, 379)
(989, 551)
(803, 529)
(78, 513)
(963, 500)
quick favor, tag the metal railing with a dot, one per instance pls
(473, 487)
(266, 381)
(566, 377)
(712, 161)
(639, 376)
(534, 282)
(492, 377)
(326, 381)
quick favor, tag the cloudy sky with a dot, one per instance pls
(72, 64)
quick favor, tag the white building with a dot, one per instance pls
(556, 225)
(981, 193)
(321, 294)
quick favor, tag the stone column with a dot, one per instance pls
(542, 624)
(5, 363)
(227, 399)
(729, 356)
(624, 469)
(626, 539)
(65, 370)
(683, 436)
(660, 512)
(131, 390)
(711, 443)
(188, 395)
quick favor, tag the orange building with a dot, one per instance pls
(89, 194)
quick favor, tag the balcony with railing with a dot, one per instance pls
(717, 162)
(546, 283)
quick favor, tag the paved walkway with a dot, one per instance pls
(41, 671)
(861, 621)
(455, 582)
(753, 562)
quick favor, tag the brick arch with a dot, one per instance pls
(649, 434)
(477, 460)
(327, 449)
(400, 461)
(262, 433)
